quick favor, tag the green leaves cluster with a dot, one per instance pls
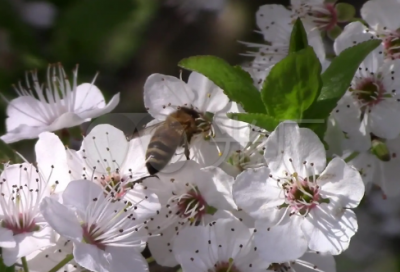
(294, 90)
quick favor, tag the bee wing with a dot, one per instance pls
(146, 130)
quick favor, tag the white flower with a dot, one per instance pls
(57, 105)
(222, 245)
(296, 201)
(276, 23)
(189, 195)
(106, 235)
(384, 22)
(371, 104)
(46, 259)
(23, 229)
(214, 133)
(109, 159)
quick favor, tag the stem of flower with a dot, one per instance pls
(150, 260)
(25, 264)
(63, 262)
(351, 156)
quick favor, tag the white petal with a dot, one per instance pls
(105, 148)
(347, 114)
(135, 159)
(23, 132)
(124, 259)
(233, 236)
(209, 97)
(161, 247)
(87, 96)
(192, 250)
(365, 164)
(216, 188)
(389, 77)
(6, 238)
(91, 258)
(25, 110)
(343, 182)
(98, 111)
(162, 94)
(256, 196)
(330, 234)
(52, 162)
(80, 193)
(281, 243)
(28, 243)
(61, 219)
(352, 34)
(66, 120)
(300, 145)
(275, 23)
(385, 119)
(380, 14)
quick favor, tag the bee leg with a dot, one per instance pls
(187, 151)
(186, 146)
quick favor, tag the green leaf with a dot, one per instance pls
(257, 119)
(336, 79)
(345, 12)
(298, 37)
(292, 85)
(234, 81)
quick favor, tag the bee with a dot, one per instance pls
(176, 131)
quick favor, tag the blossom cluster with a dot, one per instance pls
(198, 187)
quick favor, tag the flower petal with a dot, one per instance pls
(256, 196)
(343, 182)
(352, 34)
(381, 14)
(80, 193)
(216, 188)
(161, 247)
(124, 259)
(52, 162)
(289, 148)
(6, 238)
(61, 219)
(91, 258)
(105, 149)
(330, 234)
(209, 97)
(87, 97)
(324, 262)
(281, 243)
(275, 23)
(163, 94)
(385, 119)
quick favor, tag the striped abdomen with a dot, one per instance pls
(161, 148)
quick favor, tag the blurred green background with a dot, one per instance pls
(126, 41)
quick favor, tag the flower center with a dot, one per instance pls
(323, 16)
(114, 185)
(224, 267)
(21, 224)
(391, 44)
(301, 195)
(91, 236)
(368, 91)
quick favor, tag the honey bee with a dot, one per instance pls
(176, 131)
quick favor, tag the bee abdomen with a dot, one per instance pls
(160, 150)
